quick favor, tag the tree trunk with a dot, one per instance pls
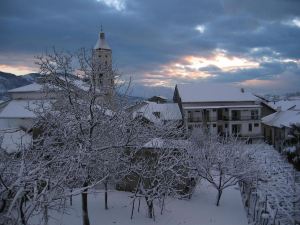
(219, 197)
(23, 220)
(105, 196)
(46, 217)
(84, 199)
(150, 208)
(219, 188)
(71, 198)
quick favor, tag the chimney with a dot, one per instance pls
(242, 90)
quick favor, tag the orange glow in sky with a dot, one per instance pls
(222, 61)
(257, 83)
(193, 67)
(17, 70)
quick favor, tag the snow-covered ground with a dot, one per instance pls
(200, 210)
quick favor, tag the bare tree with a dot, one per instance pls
(222, 161)
(83, 123)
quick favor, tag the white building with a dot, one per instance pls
(221, 108)
(17, 116)
(18, 113)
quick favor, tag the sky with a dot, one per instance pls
(159, 43)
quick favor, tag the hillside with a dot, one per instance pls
(10, 81)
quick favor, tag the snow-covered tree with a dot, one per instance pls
(157, 170)
(222, 161)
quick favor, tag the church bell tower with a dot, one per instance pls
(102, 65)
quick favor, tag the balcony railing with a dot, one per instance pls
(223, 118)
(242, 118)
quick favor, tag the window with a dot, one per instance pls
(214, 110)
(190, 116)
(250, 127)
(226, 125)
(256, 125)
(236, 128)
(214, 125)
(254, 114)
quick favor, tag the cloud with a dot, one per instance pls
(161, 42)
(117, 4)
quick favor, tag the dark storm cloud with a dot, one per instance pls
(147, 34)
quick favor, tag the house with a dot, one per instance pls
(157, 113)
(19, 111)
(286, 105)
(222, 109)
(277, 127)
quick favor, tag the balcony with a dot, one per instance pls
(200, 119)
(244, 118)
(222, 118)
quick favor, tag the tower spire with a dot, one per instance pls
(101, 42)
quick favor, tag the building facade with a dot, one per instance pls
(221, 109)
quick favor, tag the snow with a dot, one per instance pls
(282, 118)
(167, 111)
(13, 140)
(35, 87)
(20, 109)
(280, 186)
(286, 105)
(101, 43)
(221, 107)
(212, 92)
(81, 85)
(200, 209)
(166, 143)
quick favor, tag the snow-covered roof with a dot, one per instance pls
(221, 107)
(205, 92)
(156, 112)
(35, 87)
(166, 143)
(282, 119)
(101, 42)
(286, 105)
(14, 140)
(21, 108)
